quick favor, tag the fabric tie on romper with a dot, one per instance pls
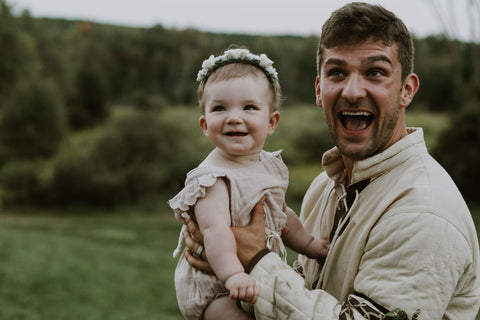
(273, 238)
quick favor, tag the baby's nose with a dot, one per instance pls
(234, 117)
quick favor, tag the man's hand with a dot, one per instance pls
(193, 240)
(251, 238)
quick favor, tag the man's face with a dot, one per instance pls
(363, 97)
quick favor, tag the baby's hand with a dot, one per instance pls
(242, 287)
(318, 249)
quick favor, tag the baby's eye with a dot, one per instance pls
(250, 107)
(218, 108)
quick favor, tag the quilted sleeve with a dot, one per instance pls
(283, 296)
(418, 261)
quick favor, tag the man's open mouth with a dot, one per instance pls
(356, 121)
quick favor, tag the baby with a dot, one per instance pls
(239, 96)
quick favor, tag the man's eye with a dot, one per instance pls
(336, 73)
(375, 73)
(250, 107)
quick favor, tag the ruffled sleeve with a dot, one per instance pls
(195, 188)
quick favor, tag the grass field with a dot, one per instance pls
(87, 267)
(92, 267)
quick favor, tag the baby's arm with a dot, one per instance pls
(213, 216)
(301, 240)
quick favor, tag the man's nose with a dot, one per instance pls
(354, 89)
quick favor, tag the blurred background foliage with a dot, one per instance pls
(102, 115)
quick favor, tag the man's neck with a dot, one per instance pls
(348, 163)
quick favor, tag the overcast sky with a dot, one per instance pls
(300, 17)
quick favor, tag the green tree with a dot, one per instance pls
(52, 44)
(89, 101)
(33, 122)
(16, 53)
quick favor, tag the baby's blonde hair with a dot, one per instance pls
(237, 70)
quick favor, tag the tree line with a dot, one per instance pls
(60, 76)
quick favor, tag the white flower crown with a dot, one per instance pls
(237, 55)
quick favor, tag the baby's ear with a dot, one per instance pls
(274, 120)
(203, 124)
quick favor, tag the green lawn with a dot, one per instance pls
(85, 267)
(111, 266)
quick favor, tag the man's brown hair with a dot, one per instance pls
(357, 22)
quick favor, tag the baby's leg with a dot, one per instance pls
(225, 308)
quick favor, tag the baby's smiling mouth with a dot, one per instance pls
(356, 121)
(236, 134)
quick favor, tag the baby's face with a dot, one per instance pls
(238, 116)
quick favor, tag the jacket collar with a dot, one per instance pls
(370, 168)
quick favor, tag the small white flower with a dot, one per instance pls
(202, 74)
(271, 70)
(233, 54)
(221, 58)
(210, 62)
(243, 53)
(265, 61)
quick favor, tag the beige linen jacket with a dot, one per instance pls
(410, 244)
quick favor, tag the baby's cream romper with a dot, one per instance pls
(195, 290)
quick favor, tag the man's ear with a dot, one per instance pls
(273, 123)
(410, 87)
(203, 124)
(318, 98)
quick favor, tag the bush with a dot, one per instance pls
(301, 176)
(76, 180)
(145, 101)
(20, 183)
(136, 156)
(458, 151)
(33, 123)
(143, 151)
(311, 142)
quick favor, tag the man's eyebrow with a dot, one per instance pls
(335, 62)
(372, 59)
(377, 58)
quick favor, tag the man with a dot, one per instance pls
(401, 234)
